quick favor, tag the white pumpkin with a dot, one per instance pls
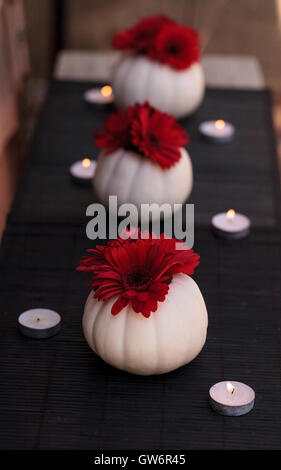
(138, 78)
(137, 180)
(170, 338)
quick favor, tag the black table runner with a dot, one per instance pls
(55, 393)
(240, 173)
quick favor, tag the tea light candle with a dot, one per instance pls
(231, 225)
(39, 323)
(231, 398)
(99, 96)
(82, 171)
(217, 132)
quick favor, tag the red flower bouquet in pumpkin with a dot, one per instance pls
(162, 65)
(143, 160)
(144, 129)
(145, 314)
(137, 271)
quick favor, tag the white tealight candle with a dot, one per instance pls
(231, 398)
(231, 225)
(83, 171)
(39, 323)
(217, 132)
(99, 96)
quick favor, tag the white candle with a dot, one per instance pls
(83, 171)
(99, 96)
(231, 225)
(39, 323)
(218, 132)
(231, 398)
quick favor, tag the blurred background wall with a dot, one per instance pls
(227, 26)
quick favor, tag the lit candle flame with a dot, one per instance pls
(86, 162)
(230, 214)
(106, 90)
(220, 124)
(230, 387)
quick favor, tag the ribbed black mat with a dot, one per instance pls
(239, 174)
(55, 393)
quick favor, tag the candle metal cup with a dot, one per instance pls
(99, 98)
(217, 132)
(232, 227)
(82, 171)
(39, 323)
(237, 402)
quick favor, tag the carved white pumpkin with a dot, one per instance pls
(138, 78)
(137, 180)
(171, 337)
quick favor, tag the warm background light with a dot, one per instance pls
(220, 124)
(230, 214)
(106, 90)
(86, 163)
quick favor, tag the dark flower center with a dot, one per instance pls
(138, 279)
(153, 139)
(173, 49)
(144, 36)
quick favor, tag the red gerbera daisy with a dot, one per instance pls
(177, 46)
(145, 130)
(163, 40)
(137, 271)
(158, 135)
(140, 36)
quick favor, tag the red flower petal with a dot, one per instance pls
(140, 36)
(120, 303)
(116, 132)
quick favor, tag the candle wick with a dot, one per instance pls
(232, 391)
(37, 319)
